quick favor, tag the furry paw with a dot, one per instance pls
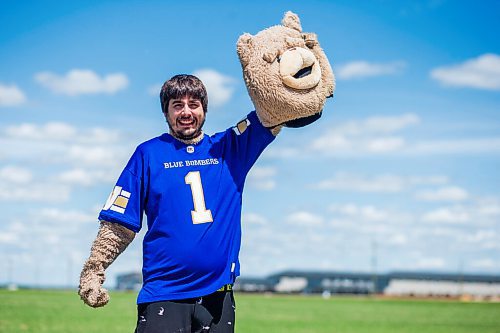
(90, 289)
(94, 295)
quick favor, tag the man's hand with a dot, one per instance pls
(90, 290)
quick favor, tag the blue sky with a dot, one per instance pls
(402, 167)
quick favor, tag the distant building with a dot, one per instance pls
(392, 284)
(442, 285)
(256, 285)
(130, 281)
(333, 282)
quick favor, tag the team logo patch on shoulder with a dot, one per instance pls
(241, 126)
(117, 200)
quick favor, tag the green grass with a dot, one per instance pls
(63, 312)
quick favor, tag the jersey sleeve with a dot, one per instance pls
(248, 139)
(125, 204)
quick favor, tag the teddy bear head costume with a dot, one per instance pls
(287, 74)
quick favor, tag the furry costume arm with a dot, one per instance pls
(112, 239)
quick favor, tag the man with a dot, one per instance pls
(190, 186)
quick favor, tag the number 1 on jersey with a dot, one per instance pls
(200, 214)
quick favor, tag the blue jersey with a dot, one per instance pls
(191, 195)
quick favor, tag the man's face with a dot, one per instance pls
(185, 117)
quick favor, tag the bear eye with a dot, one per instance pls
(294, 42)
(270, 56)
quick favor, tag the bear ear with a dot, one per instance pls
(310, 39)
(244, 47)
(291, 20)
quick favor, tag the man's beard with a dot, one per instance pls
(183, 136)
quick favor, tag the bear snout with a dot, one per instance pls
(299, 68)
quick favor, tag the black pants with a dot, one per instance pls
(211, 313)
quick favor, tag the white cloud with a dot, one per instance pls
(55, 215)
(57, 142)
(303, 218)
(9, 238)
(263, 172)
(11, 95)
(367, 212)
(450, 193)
(253, 218)
(387, 144)
(452, 215)
(220, 87)
(59, 131)
(50, 131)
(474, 212)
(85, 177)
(37, 192)
(429, 263)
(50, 241)
(484, 264)
(370, 223)
(457, 146)
(489, 207)
(378, 124)
(397, 239)
(154, 90)
(276, 151)
(19, 185)
(396, 233)
(76, 176)
(383, 183)
(377, 136)
(98, 135)
(372, 135)
(482, 72)
(15, 175)
(81, 81)
(481, 236)
(66, 157)
(262, 178)
(346, 209)
(356, 183)
(110, 156)
(428, 180)
(362, 69)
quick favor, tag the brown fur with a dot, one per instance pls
(112, 239)
(275, 102)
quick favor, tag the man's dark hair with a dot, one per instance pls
(183, 85)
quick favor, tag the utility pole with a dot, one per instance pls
(10, 275)
(461, 277)
(69, 272)
(374, 266)
(10, 269)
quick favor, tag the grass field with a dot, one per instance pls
(63, 312)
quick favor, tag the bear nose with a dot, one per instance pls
(299, 68)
